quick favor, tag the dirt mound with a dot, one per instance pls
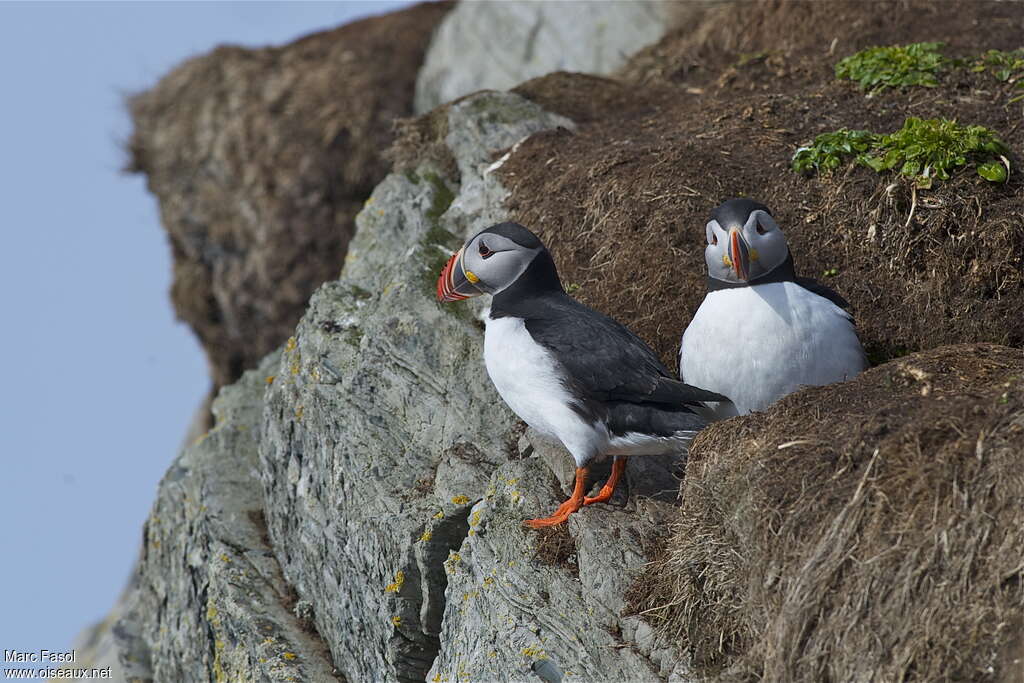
(261, 160)
(801, 36)
(869, 530)
(623, 202)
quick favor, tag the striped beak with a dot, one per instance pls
(739, 254)
(455, 282)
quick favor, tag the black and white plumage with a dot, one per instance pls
(762, 332)
(568, 371)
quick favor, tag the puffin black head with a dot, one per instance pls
(744, 243)
(493, 260)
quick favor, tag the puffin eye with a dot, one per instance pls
(760, 229)
(485, 252)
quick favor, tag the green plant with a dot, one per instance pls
(1007, 67)
(1004, 65)
(930, 148)
(831, 149)
(878, 68)
(923, 149)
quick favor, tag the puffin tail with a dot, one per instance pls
(674, 391)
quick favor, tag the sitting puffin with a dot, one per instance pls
(568, 371)
(761, 332)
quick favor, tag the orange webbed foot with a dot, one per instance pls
(570, 506)
(618, 468)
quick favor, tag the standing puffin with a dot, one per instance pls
(761, 332)
(568, 371)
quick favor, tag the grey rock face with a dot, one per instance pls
(497, 45)
(209, 601)
(377, 534)
(526, 611)
(382, 427)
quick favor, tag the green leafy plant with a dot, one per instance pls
(923, 149)
(926, 149)
(1007, 67)
(894, 66)
(832, 149)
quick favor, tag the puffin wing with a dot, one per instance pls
(605, 361)
(812, 285)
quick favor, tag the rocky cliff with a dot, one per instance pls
(355, 512)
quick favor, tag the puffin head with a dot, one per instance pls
(744, 243)
(493, 260)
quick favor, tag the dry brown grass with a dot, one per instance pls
(622, 201)
(870, 530)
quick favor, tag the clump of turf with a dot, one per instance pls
(894, 66)
(923, 149)
(866, 530)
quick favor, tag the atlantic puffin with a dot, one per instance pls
(571, 373)
(761, 332)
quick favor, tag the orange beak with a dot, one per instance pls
(453, 284)
(739, 254)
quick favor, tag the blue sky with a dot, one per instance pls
(101, 381)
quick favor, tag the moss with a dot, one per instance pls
(360, 293)
(443, 197)
(495, 108)
(353, 336)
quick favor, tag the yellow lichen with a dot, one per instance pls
(426, 536)
(396, 585)
(289, 656)
(439, 515)
(474, 519)
(449, 564)
(299, 412)
(397, 621)
(290, 344)
(534, 652)
(270, 379)
(460, 500)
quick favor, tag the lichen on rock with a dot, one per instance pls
(208, 601)
(354, 489)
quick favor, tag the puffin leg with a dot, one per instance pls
(570, 506)
(618, 467)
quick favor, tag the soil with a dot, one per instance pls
(718, 110)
